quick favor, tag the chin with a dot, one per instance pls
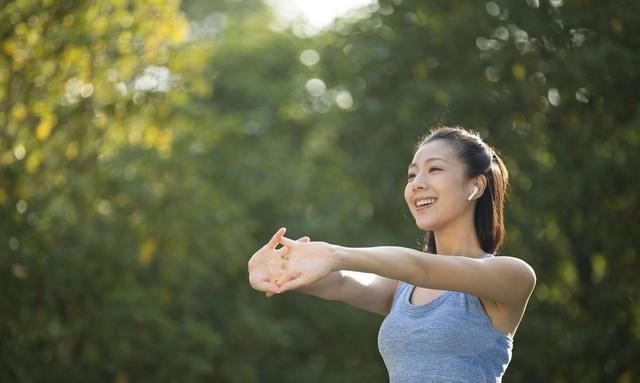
(425, 225)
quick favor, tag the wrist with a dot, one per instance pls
(337, 258)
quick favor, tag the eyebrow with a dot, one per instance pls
(413, 164)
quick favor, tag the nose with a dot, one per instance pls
(419, 182)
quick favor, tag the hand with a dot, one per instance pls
(268, 264)
(308, 262)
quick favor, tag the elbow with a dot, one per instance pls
(528, 277)
(533, 277)
(521, 281)
(530, 274)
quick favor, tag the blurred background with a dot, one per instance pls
(148, 148)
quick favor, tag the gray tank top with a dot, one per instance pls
(449, 339)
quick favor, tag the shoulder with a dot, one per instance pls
(517, 272)
(512, 265)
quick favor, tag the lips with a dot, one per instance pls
(424, 202)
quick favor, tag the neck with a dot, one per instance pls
(459, 239)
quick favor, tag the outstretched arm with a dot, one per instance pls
(366, 291)
(505, 280)
(363, 290)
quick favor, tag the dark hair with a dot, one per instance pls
(479, 158)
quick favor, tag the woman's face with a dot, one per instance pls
(437, 187)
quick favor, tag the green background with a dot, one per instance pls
(148, 148)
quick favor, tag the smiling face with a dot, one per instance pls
(438, 187)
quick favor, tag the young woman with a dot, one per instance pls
(451, 310)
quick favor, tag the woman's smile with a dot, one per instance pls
(424, 203)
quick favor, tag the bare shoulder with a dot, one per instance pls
(517, 280)
(515, 272)
(512, 265)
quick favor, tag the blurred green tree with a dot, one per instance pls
(94, 282)
(553, 86)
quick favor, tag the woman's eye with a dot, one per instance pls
(411, 176)
(434, 169)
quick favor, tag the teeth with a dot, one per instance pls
(426, 201)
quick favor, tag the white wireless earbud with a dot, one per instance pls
(475, 190)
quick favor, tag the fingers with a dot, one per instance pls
(283, 253)
(286, 278)
(288, 282)
(290, 285)
(276, 238)
(279, 235)
(287, 242)
(284, 250)
(265, 286)
(281, 285)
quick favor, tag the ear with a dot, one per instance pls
(482, 185)
(481, 182)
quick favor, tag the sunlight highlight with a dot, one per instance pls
(364, 278)
(315, 14)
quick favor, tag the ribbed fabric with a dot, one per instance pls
(450, 339)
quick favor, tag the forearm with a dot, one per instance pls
(364, 291)
(328, 288)
(392, 262)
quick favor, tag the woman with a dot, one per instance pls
(451, 311)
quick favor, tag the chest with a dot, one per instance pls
(422, 296)
(432, 321)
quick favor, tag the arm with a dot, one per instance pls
(365, 291)
(505, 280)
